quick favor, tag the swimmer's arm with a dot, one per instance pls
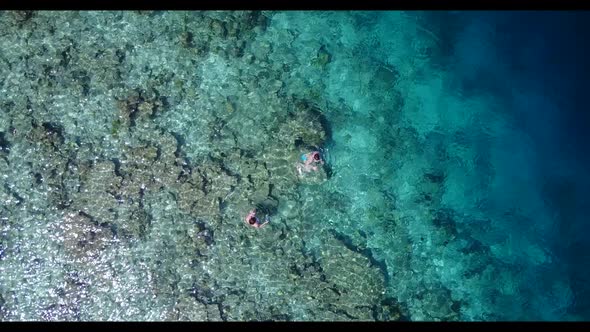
(266, 221)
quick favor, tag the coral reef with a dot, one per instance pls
(145, 167)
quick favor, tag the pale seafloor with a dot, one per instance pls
(132, 145)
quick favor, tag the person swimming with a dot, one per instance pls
(309, 162)
(253, 221)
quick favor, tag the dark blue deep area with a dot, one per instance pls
(546, 56)
(551, 48)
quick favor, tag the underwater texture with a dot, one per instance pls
(454, 182)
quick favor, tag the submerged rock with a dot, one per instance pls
(82, 237)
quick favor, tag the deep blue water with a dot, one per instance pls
(545, 56)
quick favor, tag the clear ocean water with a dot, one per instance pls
(454, 180)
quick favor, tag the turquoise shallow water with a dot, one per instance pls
(134, 144)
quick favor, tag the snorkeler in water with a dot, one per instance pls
(253, 221)
(309, 162)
